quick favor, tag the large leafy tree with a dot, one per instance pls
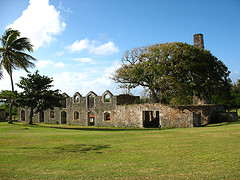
(173, 72)
(37, 94)
(13, 56)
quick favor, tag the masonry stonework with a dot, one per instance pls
(111, 110)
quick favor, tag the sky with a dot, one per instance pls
(79, 43)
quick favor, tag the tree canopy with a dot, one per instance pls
(173, 72)
(37, 93)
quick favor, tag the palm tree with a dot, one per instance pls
(12, 56)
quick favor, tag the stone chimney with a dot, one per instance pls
(198, 41)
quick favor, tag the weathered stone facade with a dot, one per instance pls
(91, 110)
(109, 110)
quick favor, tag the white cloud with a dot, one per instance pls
(59, 65)
(85, 60)
(59, 53)
(108, 48)
(79, 45)
(94, 47)
(5, 83)
(84, 82)
(39, 22)
(43, 63)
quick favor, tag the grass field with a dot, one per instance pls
(36, 152)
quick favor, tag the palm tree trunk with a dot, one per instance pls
(11, 103)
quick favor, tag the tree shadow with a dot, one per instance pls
(87, 128)
(82, 148)
(221, 124)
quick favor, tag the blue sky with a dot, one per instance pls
(80, 42)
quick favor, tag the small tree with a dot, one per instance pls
(37, 94)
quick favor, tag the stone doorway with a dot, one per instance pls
(63, 117)
(150, 119)
(91, 119)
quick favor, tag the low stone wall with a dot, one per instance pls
(132, 116)
(206, 110)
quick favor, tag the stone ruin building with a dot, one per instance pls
(110, 110)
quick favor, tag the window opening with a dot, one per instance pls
(76, 115)
(51, 114)
(107, 98)
(90, 101)
(63, 117)
(107, 116)
(150, 119)
(76, 99)
(64, 103)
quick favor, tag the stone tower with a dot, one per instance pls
(198, 41)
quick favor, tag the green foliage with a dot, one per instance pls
(173, 72)
(37, 94)
(230, 100)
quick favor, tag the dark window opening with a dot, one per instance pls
(107, 116)
(63, 117)
(64, 103)
(90, 100)
(150, 119)
(76, 115)
(51, 114)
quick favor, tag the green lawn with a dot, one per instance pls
(36, 152)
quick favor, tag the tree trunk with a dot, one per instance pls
(154, 96)
(11, 104)
(31, 115)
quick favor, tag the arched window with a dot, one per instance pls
(90, 100)
(64, 103)
(23, 115)
(107, 116)
(76, 99)
(107, 98)
(76, 115)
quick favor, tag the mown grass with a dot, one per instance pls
(36, 152)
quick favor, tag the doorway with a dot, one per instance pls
(91, 119)
(63, 117)
(150, 119)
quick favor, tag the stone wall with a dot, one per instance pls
(133, 116)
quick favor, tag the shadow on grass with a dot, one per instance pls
(87, 128)
(82, 148)
(222, 124)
